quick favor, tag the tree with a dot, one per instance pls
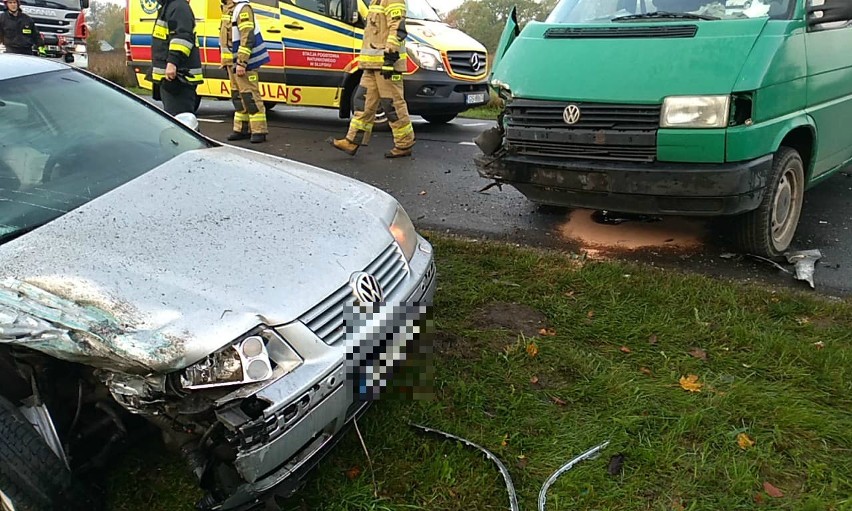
(484, 19)
(106, 23)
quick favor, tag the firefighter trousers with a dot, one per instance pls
(250, 114)
(387, 92)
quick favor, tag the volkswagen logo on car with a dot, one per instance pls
(366, 288)
(571, 114)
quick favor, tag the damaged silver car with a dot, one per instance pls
(149, 275)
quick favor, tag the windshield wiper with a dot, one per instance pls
(666, 15)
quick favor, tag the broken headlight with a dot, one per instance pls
(254, 358)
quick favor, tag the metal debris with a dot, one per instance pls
(590, 454)
(770, 261)
(487, 187)
(510, 487)
(805, 260)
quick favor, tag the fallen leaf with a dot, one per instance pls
(523, 461)
(505, 441)
(698, 353)
(534, 380)
(353, 472)
(569, 294)
(819, 345)
(616, 464)
(423, 192)
(625, 349)
(652, 339)
(558, 401)
(690, 383)
(590, 314)
(547, 332)
(772, 491)
(645, 371)
(758, 498)
(677, 505)
(744, 441)
(452, 493)
(532, 349)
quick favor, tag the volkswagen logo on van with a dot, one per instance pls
(366, 288)
(475, 63)
(571, 114)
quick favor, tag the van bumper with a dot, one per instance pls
(645, 188)
(435, 92)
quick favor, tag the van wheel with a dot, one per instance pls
(768, 230)
(439, 118)
(358, 97)
(32, 477)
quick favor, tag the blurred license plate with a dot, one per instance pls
(52, 48)
(475, 98)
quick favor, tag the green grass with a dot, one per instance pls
(487, 112)
(139, 91)
(763, 376)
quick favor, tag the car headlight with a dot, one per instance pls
(502, 88)
(425, 56)
(403, 232)
(695, 112)
(253, 358)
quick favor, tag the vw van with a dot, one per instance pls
(313, 45)
(677, 107)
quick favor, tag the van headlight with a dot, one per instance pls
(403, 232)
(503, 89)
(425, 56)
(695, 112)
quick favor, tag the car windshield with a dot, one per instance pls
(70, 5)
(66, 139)
(597, 11)
(421, 10)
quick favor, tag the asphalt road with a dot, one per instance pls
(440, 188)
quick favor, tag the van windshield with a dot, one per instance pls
(70, 5)
(421, 10)
(596, 11)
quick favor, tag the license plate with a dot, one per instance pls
(472, 99)
(53, 48)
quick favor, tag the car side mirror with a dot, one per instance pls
(187, 119)
(828, 11)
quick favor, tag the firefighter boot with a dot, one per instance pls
(398, 152)
(240, 135)
(257, 138)
(345, 145)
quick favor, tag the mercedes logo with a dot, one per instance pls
(366, 288)
(475, 63)
(571, 114)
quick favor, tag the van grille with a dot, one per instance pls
(464, 63)
(662, 31)
(615, 132)
(326, 318)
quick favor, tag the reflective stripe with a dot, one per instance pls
(157, 76)
(226, 53)
(361, 125)
(180, 45)
(257, 117)
(26, 31)
(241, 117)
(244, 51)
(401, 132)
(196, 71)
(195, 78)
(245, 25)
(394, 40)
(376, 8)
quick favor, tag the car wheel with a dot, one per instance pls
(32, 477)
(439, 118)
(381, 121)
(768, 230)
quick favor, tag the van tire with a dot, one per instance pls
(32, 477)
(761, 232)
(439, 118)
(381, 121)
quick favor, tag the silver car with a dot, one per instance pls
(152, 276)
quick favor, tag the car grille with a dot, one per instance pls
(662, 31)
(463, 62)
(326, 318)
(615, 132)
(55, 26)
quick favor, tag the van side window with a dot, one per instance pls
(330, 8)
(270, 3)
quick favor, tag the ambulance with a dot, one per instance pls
(313, 46)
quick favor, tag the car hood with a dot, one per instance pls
(583, 65)
(441, 36)
(177, 263)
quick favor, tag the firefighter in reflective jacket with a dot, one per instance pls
(18, 32)
(176, 62)
(243, 52)
(382, 59)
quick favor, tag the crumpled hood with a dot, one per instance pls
(641, 70)
(441, 36)
(173, 265)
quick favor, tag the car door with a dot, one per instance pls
(320, 42)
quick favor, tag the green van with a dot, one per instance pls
(676, 107)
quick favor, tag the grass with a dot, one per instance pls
(489, 111)
(112, 66)
(608, 368)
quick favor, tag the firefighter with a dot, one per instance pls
(18, 32)
(243, 52)
(382, 60)
(176, 61)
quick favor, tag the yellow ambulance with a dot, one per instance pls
(313, 45)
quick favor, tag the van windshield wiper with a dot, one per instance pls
(665, 15)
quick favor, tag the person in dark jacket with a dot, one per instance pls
(18, 32)
(176, 62)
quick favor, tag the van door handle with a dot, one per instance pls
(274, 31)
(294, 26)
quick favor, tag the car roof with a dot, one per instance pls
(15, 66)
